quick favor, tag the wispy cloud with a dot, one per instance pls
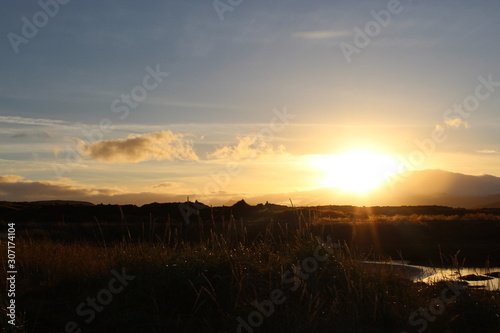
(163, 145)
(23, 135)
(457, 123)
(31, 121)
(488, 151)
(168, 185)
(10, 178)
(247, 148)
(322, 34)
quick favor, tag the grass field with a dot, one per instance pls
(301, 274)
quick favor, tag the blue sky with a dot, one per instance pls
(225, 79)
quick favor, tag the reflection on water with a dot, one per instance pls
(485, 278)
(474, 277)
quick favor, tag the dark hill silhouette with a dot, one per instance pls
(241, 208)
(81, 212)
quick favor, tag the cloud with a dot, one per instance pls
(10, 178)
(457, 123)
(322, 34)
(31, 121)
(17, 188)
(487, 151)
(23, 135)
(247, 148)
(163, 145)
(166, 185)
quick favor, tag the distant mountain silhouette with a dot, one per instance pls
(425, 187)
(495, 205)
(444, 183)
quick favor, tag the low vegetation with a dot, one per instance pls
(226, 274)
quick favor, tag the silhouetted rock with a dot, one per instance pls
(241, 205)
(494, 274)
(475, 277)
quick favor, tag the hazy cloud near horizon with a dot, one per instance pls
(419, 187)
(17, 188)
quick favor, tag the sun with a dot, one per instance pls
(357, 171)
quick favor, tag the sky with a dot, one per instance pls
(133, 102)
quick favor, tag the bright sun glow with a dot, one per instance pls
(357, 171)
